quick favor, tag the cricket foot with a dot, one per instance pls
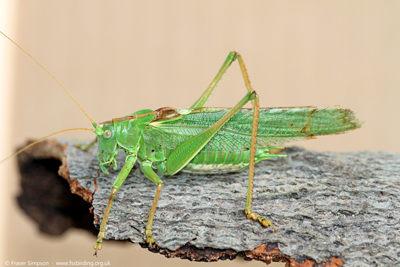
(98, 244)
(149, 238)
(262, 220)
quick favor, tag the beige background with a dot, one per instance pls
(117, 57)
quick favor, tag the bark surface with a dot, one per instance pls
(329, 208)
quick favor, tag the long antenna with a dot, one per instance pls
(41, 139)
(49, 74)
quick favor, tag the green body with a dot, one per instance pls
(209, 140)
(229, 149)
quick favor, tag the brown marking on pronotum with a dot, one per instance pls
(165, 113)
(305, 130)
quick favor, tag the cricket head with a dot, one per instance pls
(124, 133)
(107, 143)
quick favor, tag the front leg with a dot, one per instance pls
(129, 162)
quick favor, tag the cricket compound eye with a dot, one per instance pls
(107, 134)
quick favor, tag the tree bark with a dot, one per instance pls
(329, 208)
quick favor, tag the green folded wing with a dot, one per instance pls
(276, 126)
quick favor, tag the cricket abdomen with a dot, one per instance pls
(223, 161)
(213, 168)
(209, 161)
(218, 162)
